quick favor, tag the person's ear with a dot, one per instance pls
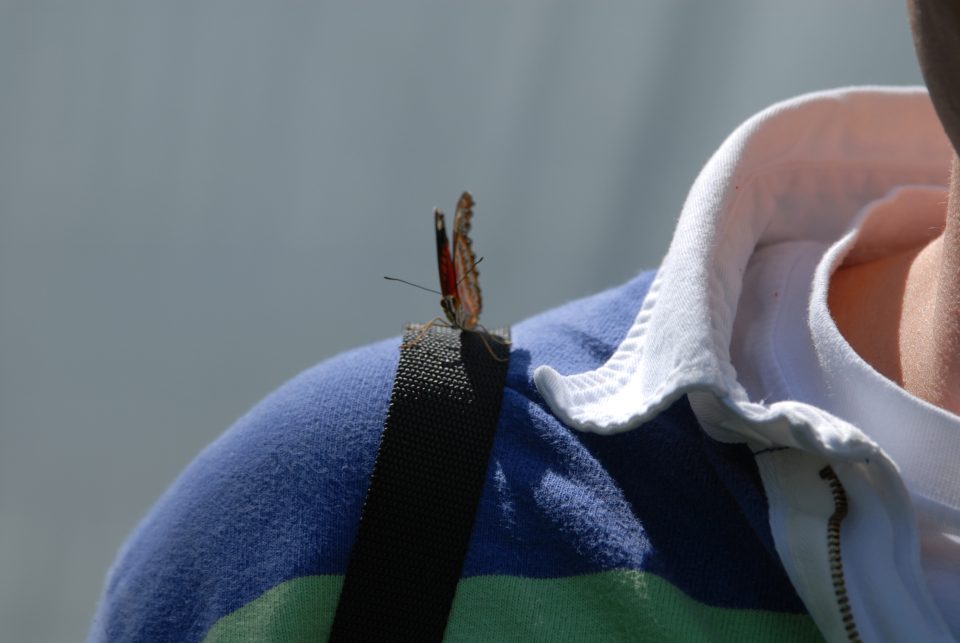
(936, 37)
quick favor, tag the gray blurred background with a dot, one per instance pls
(200, 199)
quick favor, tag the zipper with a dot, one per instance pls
(834, 553)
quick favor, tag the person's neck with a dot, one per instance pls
(901, 313)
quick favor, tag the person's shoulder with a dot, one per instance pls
(278, 496)
(582, 334)
(256, 507)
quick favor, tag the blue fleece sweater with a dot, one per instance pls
(655, 534)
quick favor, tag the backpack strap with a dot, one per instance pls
(426, 483)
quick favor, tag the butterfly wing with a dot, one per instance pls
(464, 261)
(446, 268)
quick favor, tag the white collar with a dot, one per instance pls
(801, 168)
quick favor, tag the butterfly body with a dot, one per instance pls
(456, 263)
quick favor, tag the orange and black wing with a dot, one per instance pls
(464, 261)
(446, 268)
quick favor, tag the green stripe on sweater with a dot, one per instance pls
(609, 606)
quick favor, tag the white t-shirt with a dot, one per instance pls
(786, 346)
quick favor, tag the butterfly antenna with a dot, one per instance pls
(410, 283)
(474, 269)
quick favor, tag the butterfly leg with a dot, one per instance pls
(503, 342)
(485, 335)
(423, 331)
(497, 338)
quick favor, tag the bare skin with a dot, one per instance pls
(901, 312)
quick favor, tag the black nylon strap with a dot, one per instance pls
(426, 483)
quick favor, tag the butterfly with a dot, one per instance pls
(459, 279)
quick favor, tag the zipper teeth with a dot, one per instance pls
(833, 551)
